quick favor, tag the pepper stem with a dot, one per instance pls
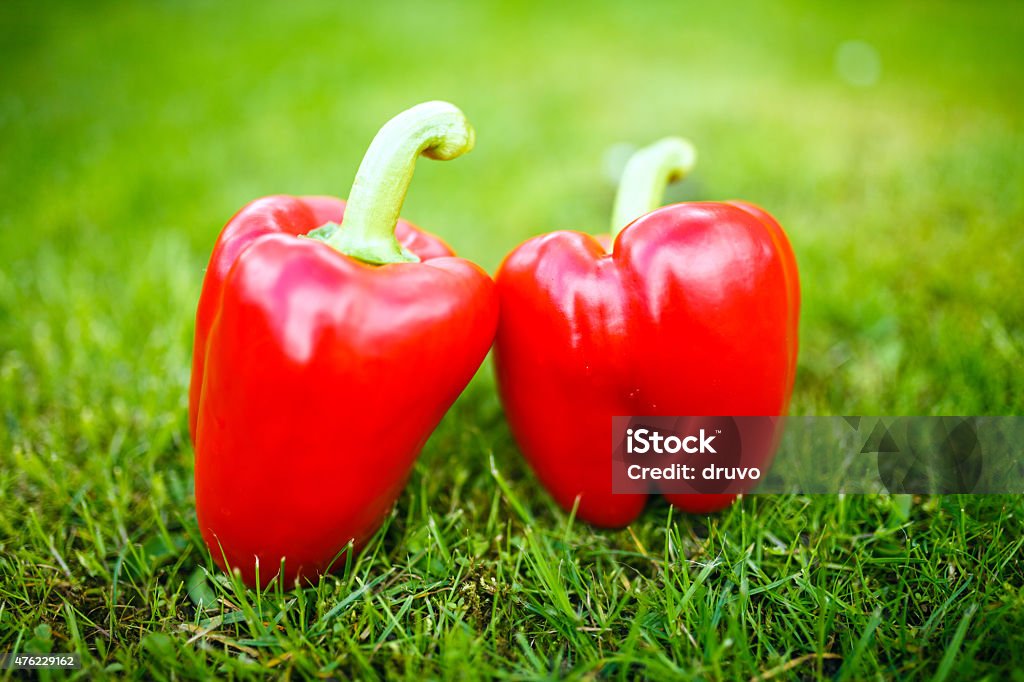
(647, 174)
(437, 130)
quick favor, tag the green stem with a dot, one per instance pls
(646, 176)
(437, 130)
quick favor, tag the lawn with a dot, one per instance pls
(129, 133)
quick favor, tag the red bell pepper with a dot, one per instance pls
(692, 312)
(326, 351)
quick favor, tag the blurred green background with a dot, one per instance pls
(887, 138)
(133, 131)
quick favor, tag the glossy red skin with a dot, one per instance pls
(316, 381)
(695, 312)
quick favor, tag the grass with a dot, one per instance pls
(131, 132)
